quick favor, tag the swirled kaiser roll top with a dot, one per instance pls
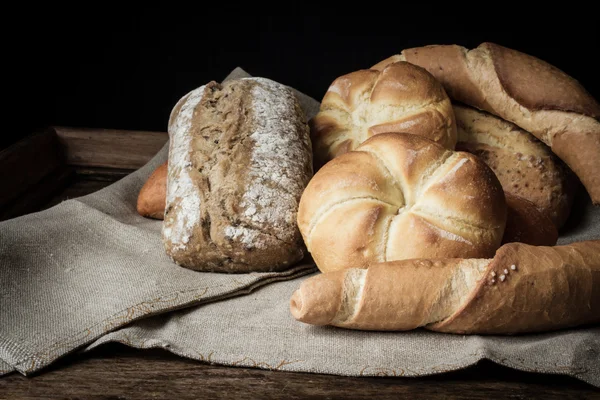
(400, 98)
(522, 289)
(400, 196)
(239, 158)
(522, 89)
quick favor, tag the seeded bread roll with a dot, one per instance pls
(525, 166)
(522, 289)
(239, 158)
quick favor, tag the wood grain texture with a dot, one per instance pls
(25, 163)
(109, 148)
(116, 371)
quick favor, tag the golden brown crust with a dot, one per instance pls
(549, 288)
(402, 97)
(538, 85)
(449, 65)
(152, 197)
(384, 297)
(400, 196)
(319, 298)
(429, 123)
(523, 289)
(391, 299)
(581, 150)
(526, 91)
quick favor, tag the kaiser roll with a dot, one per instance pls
(401, 97)
(400, 196)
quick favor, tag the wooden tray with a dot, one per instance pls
(61, 163)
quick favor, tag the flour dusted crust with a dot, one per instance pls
(239, 158)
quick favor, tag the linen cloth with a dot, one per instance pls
(91, 270)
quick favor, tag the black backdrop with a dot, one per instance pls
(126, 70)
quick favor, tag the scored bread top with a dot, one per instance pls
(239, 159)
(401, 196)
(400, 98)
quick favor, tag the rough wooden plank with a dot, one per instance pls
(102, 174)
(25, 163)
(157, 374)
(109, 148)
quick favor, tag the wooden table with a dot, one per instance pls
(119, 372)
(70, 163)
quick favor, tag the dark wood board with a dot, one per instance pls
(115, 371)
(26, 163)
(109, 148)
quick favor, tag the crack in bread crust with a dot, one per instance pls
(316, 220)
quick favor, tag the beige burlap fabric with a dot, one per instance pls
(91, 271)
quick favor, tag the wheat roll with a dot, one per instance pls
(400, 196)
(401, 97)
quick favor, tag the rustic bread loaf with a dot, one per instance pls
(239, 158)
(400, 98)
(522, 289)
(399, 196)
(522, 89)
(525, 166)
(152, 197)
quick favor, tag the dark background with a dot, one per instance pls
(126, 70)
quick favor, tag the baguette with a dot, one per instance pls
(524, 90)
(523, 289)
